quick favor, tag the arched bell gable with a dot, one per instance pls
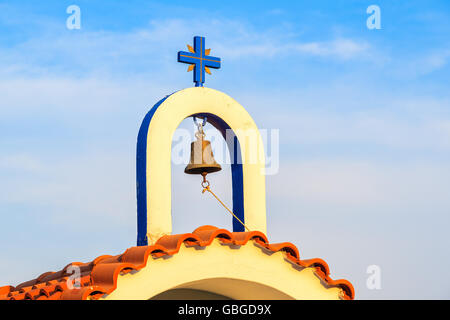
(153, 161)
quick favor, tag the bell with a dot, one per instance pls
(202, 159)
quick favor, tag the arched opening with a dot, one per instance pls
(189, 294)
(191, 207)
(222, 289)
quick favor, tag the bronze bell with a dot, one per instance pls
(202, 158)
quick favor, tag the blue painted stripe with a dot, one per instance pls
(141, 175)
(237, 176)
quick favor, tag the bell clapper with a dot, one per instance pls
(205, 183)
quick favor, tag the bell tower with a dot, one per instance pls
(153, 157)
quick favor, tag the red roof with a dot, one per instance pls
(99, 277)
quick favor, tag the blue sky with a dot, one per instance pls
(364, 120)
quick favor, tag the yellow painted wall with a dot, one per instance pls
(245, 272)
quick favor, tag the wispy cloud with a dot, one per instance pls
(91, 52)
(358, 119)
(375, 129)
(435, 61)
(341, 48)
(422, 63)
(358, 186)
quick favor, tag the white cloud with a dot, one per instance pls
(373, 129)
(339, 48)
(435, 61)
(338, 183)
(90, 185)
(87, 95)
(153, 47)
(352, 116)
(422, 63)
(264, 45)
(21, 162)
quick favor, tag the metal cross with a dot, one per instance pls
(199, 59)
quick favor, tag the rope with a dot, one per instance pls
(209, 190)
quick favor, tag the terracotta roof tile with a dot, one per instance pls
(99, 277)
